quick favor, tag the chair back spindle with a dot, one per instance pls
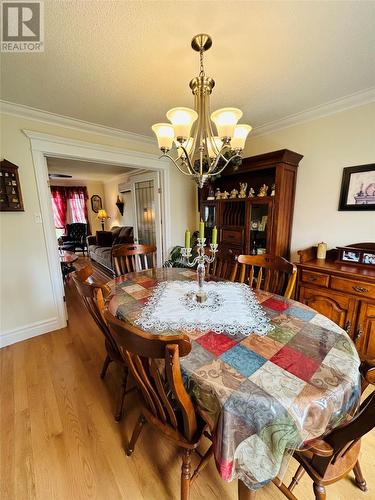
(162, 389)
(131, 258)
(224, 266)
(268, 272)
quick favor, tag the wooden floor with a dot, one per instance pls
(59, 439)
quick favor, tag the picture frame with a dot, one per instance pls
(10, 188)
(358, 188)
(96, 203)
(362, 254)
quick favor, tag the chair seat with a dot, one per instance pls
(341, 467)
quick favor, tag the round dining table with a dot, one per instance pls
(266, 396)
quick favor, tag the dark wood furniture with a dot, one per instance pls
(165, 404)
(130, 258)
(10, 188)
(93, 296)
(67, 260)
(239, 220)
(268, 272)
(224, 266)
(345, 293)
(331, 458)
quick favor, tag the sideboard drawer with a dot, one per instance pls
(353, 287)
(315, 278)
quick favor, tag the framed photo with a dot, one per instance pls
(358, 188)
(368, 258)
(96, 203)
(351, 256)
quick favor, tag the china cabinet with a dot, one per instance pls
(255, 224)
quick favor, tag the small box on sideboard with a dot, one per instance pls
(342, 290)
(10, 189)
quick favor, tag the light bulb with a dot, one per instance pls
(188, 145)
(225, 120)
(239, 136)
(214, 145)
(182, 120)
(164, 133)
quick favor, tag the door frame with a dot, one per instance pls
(46, 145)
(129, 186)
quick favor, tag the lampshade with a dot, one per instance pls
(188, 145)
(164, 133)
(102, 214)
(214, 146)
(239, 136)
(182, 120)
(225, 120)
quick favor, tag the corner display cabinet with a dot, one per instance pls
(258, 224)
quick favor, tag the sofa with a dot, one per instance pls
(101, 245)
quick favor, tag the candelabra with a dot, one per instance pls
(201, 259)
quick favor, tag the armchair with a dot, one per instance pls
(75, 237)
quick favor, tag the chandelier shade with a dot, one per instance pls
(201, 154)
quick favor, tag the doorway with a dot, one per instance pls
(46, 145)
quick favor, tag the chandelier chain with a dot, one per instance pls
(201, 72)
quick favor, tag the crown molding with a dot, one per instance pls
(329, 108)
(22, 111)
(360, 98)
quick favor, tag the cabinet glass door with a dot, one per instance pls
(259, 228)
(209, 218)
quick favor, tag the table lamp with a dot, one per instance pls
(102, 215)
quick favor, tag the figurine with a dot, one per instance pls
(263, 190)
(218, 194)
(243, 187)
(233, 193)
(225, 195)
(211, 194)
(251, 193)
(273, 189)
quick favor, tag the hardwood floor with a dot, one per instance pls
(59, 439)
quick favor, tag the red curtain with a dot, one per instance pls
(59, 206)
(72, 197)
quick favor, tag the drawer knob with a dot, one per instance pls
(360, 289)
(358, 335)
(347, 327)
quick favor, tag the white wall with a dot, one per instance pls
(328, 144)
(93, 187)
(27, 305)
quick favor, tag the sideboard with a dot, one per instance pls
(345, 293)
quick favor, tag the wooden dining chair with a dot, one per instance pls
(165, 403)
(93, 296)
(329, 459)
(225, 264)
(268, 272)
(133, 257)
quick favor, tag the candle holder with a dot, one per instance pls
(201, 259)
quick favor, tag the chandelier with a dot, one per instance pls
(199, 153)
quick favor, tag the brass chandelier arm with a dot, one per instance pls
(237, 155)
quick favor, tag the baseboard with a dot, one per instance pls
(29, 331)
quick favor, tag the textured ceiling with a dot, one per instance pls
(85, 170)
(124, 64)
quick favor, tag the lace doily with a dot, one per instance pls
(230, 308)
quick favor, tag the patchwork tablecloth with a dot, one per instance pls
(268, 395)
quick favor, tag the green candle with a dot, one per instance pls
(187, 238)
(214, 236)
(201, 230)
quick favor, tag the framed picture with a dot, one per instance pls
(96, 203)
(351, 256)
(368, 258)
(358, 188)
